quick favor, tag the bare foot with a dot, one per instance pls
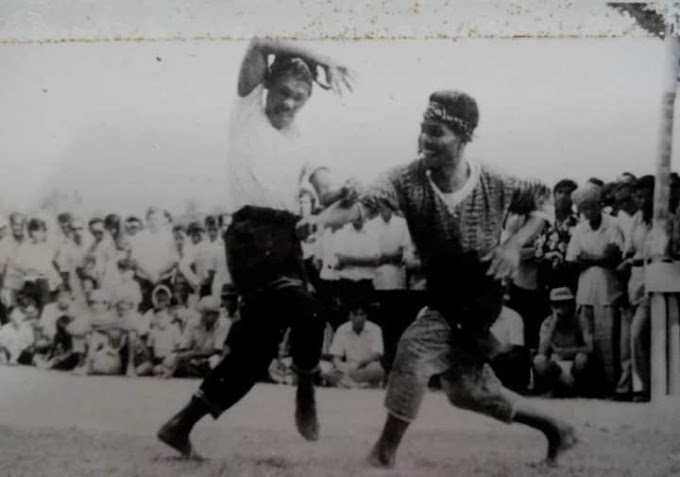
(306, 418)
(381, 457)
(564, 440)
(178, 439)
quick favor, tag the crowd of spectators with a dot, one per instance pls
(153, 296)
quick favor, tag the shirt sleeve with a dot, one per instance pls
(221, 333)
(384, 192)
(338, 345)
(574, 248)
(516, 331)
(377, 346)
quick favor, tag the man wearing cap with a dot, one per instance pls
(203, 340)
(269, 161)
(565, 347)
(455, 208)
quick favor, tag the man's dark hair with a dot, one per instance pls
(293, 66)
(64, 218)
(210, 222)
(95, 221)
(178, 228)
(565, 184)
(644, 183)
(36, 224)
(112, 221)
(597, 181)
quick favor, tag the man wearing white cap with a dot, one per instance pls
(203, 340)
(565, 346)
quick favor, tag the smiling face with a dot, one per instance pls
(438, 144)
(286, 96)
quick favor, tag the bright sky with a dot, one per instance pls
(133, 124)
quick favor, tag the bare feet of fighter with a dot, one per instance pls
(306, 418)
(175, 432)
(564, 439)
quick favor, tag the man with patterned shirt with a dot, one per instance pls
(455, 208)
(551, 244)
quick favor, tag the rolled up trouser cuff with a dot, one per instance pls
(214, 409)
(316, 370)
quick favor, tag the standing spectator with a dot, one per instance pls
(4, 256)
(357, 349)
(595, 250)
(12, 278)
(389, 281)
(512, 362)
(179, 237)
(552, 243)
(625, 208)
(526, 292)
(154, 253)
(199, 263)
(357, 254)
(101, 248)
(113, 226)
(133, 225)
(222, 276)
(35, 262)
(204, 341)
(71, 258)
(329, 278)
(565, 348)
(637, 257)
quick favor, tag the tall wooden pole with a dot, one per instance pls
(659, 310)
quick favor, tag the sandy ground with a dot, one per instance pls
(54, 424)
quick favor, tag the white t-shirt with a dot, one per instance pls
(393, 237)
(154, 251)
(355, 347)
(267, 167)
(509, 328)
(359, 244)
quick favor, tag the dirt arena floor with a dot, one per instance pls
(54, 424)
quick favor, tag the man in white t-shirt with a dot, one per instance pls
(357, 349)
(268, 163)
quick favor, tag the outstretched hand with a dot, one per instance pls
(504, 260)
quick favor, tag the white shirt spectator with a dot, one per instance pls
(15, 338)
(154, 252)
(358, 244)
(509, 328)
(327, 244)
(626, 224)
(204, 257)
(198, 338)
(596, 285)
(267, 167)
(393, 237)
(355, 347)
(35, 260)
(165, 337)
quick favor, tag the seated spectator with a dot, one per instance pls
(512, 363)
(356, 350)
(110, 345)
(80, 327)
(230, 302)
(17, 337)
(161, 298)
(47, 324)
(164, 340)
(204, 341)
(181, 304)
(565, 348)
(281, 368)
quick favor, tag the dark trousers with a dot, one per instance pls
(255, 339)
(265, 261)
(532, 307)
(513, 368)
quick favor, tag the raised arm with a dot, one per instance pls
(254, 66)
